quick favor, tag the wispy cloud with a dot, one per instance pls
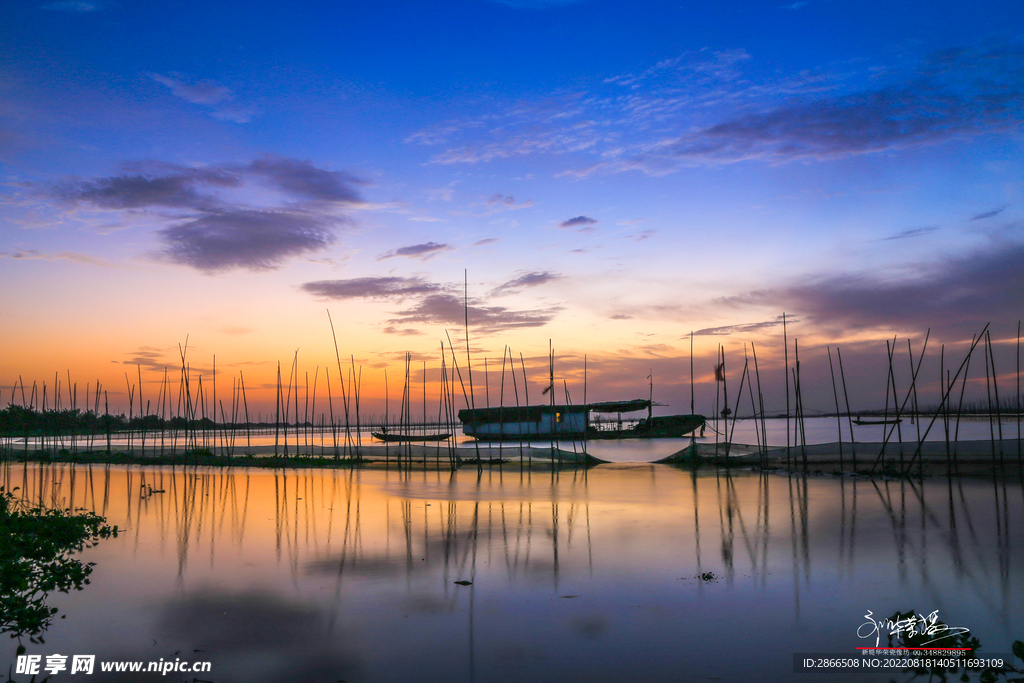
(642, 235)
(152, 358)
(742, 328)
(500, 202)
(208, 93)
(206, 232)
(711, 108)
(485, 241)
(449, 309)
(372, 288)
(252, 239)
(423, 251)
(78, 6)
(32, 254)
(956, 93)
(955, 293)
(912, 232)
(580, 222)
(526, 280)
(990, 214)
(431, 303)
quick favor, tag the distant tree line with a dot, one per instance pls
(18, 420)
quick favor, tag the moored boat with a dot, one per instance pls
(387, 437)
(543, 422)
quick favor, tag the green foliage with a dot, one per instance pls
(35, 544)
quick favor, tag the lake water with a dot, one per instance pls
(588, 575)
(815, 430)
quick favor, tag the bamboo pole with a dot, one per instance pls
(945, 397)
(963, 388)
(277, 408)
(910, 356)
(760, 403)
(988, 392)
(248, 439)
(995, 388)
(469, 361)
(835, 395)
(800, 402)
(785, 344)
(330, 405)
(849, 417)
(896, 405)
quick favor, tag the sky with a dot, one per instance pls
(601, 178)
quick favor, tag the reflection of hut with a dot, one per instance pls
(540, 422)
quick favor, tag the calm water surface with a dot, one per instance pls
(583, 575)
(320, 442)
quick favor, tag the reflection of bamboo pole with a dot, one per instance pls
(1018, 395)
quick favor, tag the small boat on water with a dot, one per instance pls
(543, 422)
(877, 421)
(384, 435)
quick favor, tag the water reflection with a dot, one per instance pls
(586, 573)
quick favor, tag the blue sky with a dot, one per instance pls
(611, 178)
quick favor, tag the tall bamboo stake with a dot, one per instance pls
(835, 395)
(760, 403)
(995, 388)
(526, 390)
(277, 408)
(988, 392)
(785, 344)
(910, 356)
(945, 398)
(963, 388)
(248, 440)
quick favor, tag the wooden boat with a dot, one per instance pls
(879, 421)
(544, 422)
(383, 435)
